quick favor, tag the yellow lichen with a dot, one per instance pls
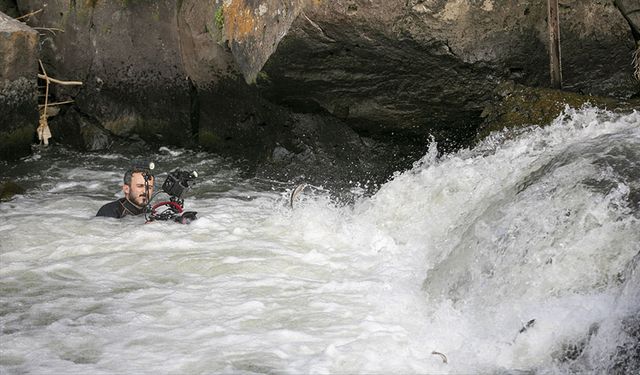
(238, 19)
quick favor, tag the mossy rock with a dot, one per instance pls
(518, 106)
(16, 143)
(8, 189)
(161, 132)
(219, 18)
(209, 140)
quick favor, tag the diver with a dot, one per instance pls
(137, 188)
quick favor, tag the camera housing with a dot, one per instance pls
(177, 183)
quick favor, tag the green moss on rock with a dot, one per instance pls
(209, 140)
(518, 106)
(8, 189)
(219, 18)
(157, 131)
(16, 143)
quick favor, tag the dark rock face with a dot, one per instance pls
(128, 57)
(618, 350)
(430, 66)
(18, 87)
(629, 10)
(9, 7)
(397, 72)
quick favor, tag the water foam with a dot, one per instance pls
(454, 256)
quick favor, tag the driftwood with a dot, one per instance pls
(43, 127)
(66, 83)
(636, 63)
(555, 67)
(30, 14)
(52, 30)
(56, 103)
(44, 133)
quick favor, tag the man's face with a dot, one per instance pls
(136, 192)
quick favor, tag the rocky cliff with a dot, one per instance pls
(273, 80)
(18, 87)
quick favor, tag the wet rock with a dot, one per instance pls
(418, 67)
(327, 152)
(629, 10)
(18, 87)
(517, 106)
(80, 131)
(613, 345)
(578, 357)
(627, 356)
(571, 351)
(127, 54)
(8, 189)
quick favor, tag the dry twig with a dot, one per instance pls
(636, 63)
(66, 83)
(30, 14)
(56, 103)
(52, 30)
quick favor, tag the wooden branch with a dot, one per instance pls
(43, 128)
(46, 94)
(636, 63)
(66, 83)
(56, 103)
(52, 30)
(30, 14)
(43, 131)
(554, 44)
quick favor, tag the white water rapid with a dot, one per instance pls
(517, 256)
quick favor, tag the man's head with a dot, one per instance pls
(134, 187)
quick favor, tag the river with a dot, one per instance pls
(521, 255)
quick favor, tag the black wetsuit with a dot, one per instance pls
(120, 208)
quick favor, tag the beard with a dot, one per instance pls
(139, 200)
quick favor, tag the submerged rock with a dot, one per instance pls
(8, 189)
(627, 356)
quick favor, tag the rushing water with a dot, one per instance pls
(519, 255)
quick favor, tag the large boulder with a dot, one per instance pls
(630, 10)
(18, 87)
(127, 54)
(430, 66)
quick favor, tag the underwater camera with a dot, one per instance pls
(176, 185)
